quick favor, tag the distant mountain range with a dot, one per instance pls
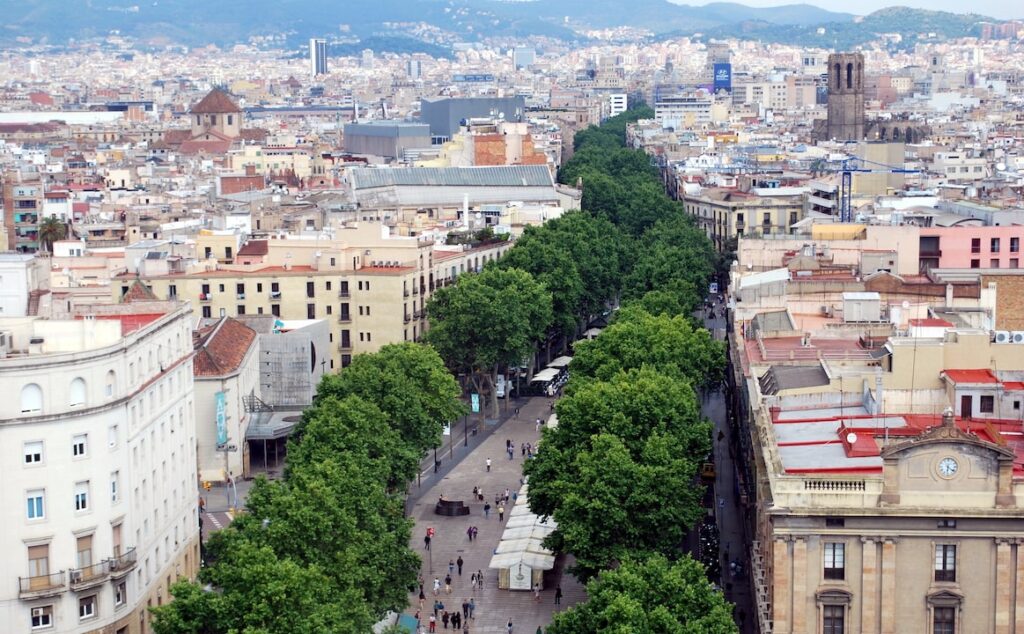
(433, 25)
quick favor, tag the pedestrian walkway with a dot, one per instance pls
(494, 607)
(729, 514)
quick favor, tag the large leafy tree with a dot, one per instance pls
(672, 345)
(259, 593)
(536, 253)
(486, 320)
(615, 505)
(649, 596)
(409, 383)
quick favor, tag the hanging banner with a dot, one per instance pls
(476, 403)
(222, 419)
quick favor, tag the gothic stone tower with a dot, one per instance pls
(845, 97)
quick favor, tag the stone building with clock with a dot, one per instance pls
(876, 509)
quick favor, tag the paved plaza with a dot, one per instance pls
(462, 469)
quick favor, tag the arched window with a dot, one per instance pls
(31, 398)
(111, 384)
(839, 77)
(76, 394)
(849, 76)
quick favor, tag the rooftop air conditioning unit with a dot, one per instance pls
(76, 575)
(1017, 336)
(1002, 336)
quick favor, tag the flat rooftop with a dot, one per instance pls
(849, 439)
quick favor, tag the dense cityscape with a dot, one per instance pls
(512, 317)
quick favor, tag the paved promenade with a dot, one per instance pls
(461, 469)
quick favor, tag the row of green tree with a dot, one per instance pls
(326, 547)
(620, 472)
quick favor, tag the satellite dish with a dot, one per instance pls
(906, 304)
(479, 215)
(501, 115)
(851, 438)
(1001, 167)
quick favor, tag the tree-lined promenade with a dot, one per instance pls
(326, 548)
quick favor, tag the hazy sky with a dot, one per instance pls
(1004, 9)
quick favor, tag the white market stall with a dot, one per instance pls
(520, 557)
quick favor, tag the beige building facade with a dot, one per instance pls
(371, 287)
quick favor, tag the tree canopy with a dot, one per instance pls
(649, 596)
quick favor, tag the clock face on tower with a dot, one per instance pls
(948, 467)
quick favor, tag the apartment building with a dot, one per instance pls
(726, 214)
(371, 287)
(22, 207)
(881, 449)
(97, 448)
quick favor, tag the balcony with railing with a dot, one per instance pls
(344, 318)
(123, 564)
(344, 294)
(205, 297)
(42, 585)
(90, 576)
(275, 296)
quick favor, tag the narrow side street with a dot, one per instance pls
(735, 580)
(461, 469)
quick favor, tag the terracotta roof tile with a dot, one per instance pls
(221, 348)
(254, 247)
(138, 292)
(215, 102)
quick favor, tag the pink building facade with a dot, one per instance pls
(967, 247)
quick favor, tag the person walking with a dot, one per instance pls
(423, 598)
(539, 630)
(558, 594)
(539, 424)
(472, 601)
(475, 531)
(536, 592)
(448, 584)
(508, 626)
(444, 619)
(456, 621)
(437, 585)
(459, 562)
(472, 582)
(438, 606)
(465, 603)
(469, 533)
(426, 542)
(501, 513)
(487, 510)
(511, 453)
(523, 446)
(451, 569)
(488, 465)
(480, 579)
(433, 623)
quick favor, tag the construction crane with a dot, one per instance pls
(846, 168)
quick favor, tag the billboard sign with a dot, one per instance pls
(723, 77)
(222, 419)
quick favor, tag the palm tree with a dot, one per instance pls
(51, 230)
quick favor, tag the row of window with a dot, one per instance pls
(32, 394)
(275, 288)
(834, 620)
(35, 499)
(994, 245)
(835, 561)
(42, 616)
(1014, 263)
(34, 451)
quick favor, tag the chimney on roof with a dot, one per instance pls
(947, 417)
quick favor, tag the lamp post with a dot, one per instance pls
(465, 430)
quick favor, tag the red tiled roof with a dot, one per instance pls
(254, 247)
(138, 292)
(177, 137)
(215, 102)
(971, 376)
(931, 322)
(1013, 386)
(222, 347)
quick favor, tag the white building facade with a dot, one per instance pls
(97, 452)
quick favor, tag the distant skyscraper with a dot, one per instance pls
(366, 61)
(523, 56)
(317, 56)
(414, 69)
(845, 97)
